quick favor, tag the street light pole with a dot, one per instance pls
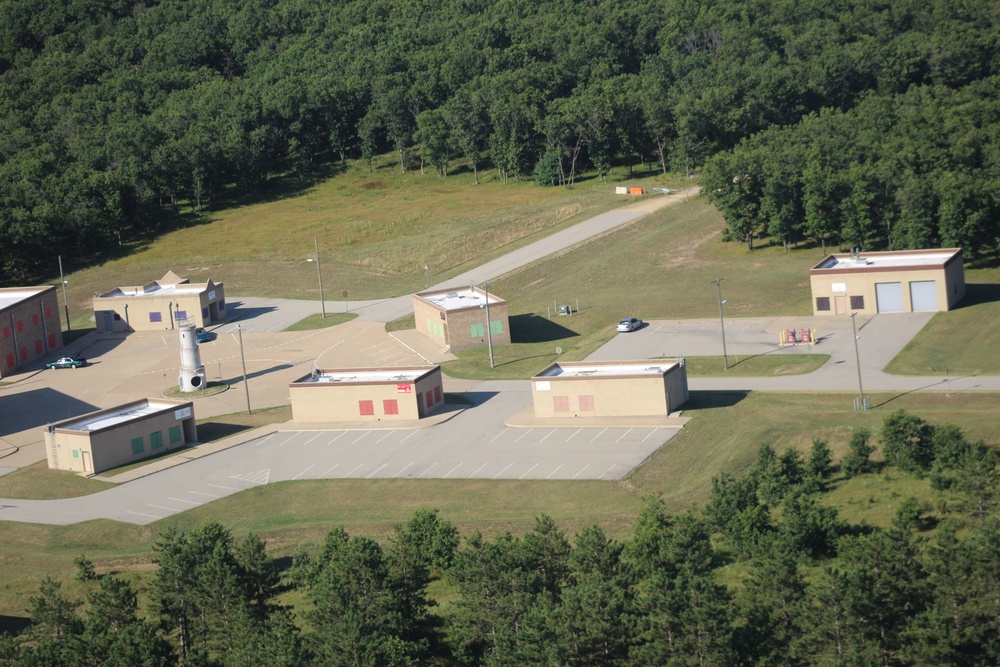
(65, 302)
(319, 274)
(243, 359)
(722, 323)
(489, 330)
(427, 282)
(857, 358)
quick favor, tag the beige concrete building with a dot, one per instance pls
(118, 436)
(29, 326)
(610, 388)
(366, 394)
(161, 304)
(904, 281)
(455, 318)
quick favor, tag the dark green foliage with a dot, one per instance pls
(547, 169)
(907, 441)
(734, 510)
(809, 527)
(858, 459)
(819, 466)
(84, 568)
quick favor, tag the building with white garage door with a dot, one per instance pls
(610, 388)
(367, 394)
(117, 436)
(904, 281)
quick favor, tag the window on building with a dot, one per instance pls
(477, 330)
(19, 325)
(24, 354)
(155, 440)
(366, 408)
(561, 403)
(586, 403)
(496, 327)
(10, 360)
(52, 340)
(390, 407)
(137, 446)
(222, 304)
(34, 319)
(48, 313)
(156, 317)
(6, 332)
(429, 399)
(38, 346)
(174, 433)
(857, 303)
(181, 315)
(822, 303)
(118, 318)
(76, 453)
(204, 313)
(437, 394)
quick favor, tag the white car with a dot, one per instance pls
(629, 324)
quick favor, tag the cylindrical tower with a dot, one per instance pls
(192, 377)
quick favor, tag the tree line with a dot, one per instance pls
(114, 113)
(766, 573)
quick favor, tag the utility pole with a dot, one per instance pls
(65, 302)
(722, 323)
(243, 359)
(489, 330)
(857, 356)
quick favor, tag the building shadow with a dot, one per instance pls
(531, 328)
(238, 313)
(477, 398)
(979, 293)
(38, 407)
(707, 400)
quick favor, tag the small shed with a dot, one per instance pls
(456, 318)
(367, 394)
(903, 281)
(117, 436)
(610, 388)
(158, 305)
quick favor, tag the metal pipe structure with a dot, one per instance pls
(65, 302)
(243, 359)
(722, 323)
(857, 357)
(319, 274)
(489, 331)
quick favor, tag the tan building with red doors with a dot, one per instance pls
(30, 327)
(367, 394)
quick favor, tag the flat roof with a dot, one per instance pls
(459, 298)
(104, 419)
(11, 296)
(362, 375)
(901, 259)
(157, 290)
(606, 370)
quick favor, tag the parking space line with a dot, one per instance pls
(524, 434)
(330, 470)
(361, 436)
(184, 501)
(400, 471)
(304, 471)
(339, 436)
(500, 433)
(650, 435)
(231, 488)
(355, 468)
(210, 495)
(161, 507)
(151, 516)
(502, 471)
(265, 439)
(528, 470)
(426, 471)
(312, 438)
(368, 476)
(623, 436)
(387, 434)
(598, 435)
(289, 438)
(451, 471)
(548, 434)
(477, 470)
(580, 471)
(410, 435)
(555, 471)
(606, 472)
(574, 433)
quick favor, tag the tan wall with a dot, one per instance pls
(191, 306)
(429, 321)
(339, 402)
(460, 327)
(612, 397)
(30, 331)
(112, 447)
(862, 283)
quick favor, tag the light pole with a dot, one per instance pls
(857, 357)
(65, 302)
(427, 282)
(243, 359)
(722, 323)
(319, 274)
(489, 331)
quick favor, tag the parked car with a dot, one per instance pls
(203, 336)
(629, 324)
(67, 362)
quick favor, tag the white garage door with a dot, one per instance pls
(923, 295)
(889, 297)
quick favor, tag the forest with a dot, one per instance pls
(766, 573)
(862, 123)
